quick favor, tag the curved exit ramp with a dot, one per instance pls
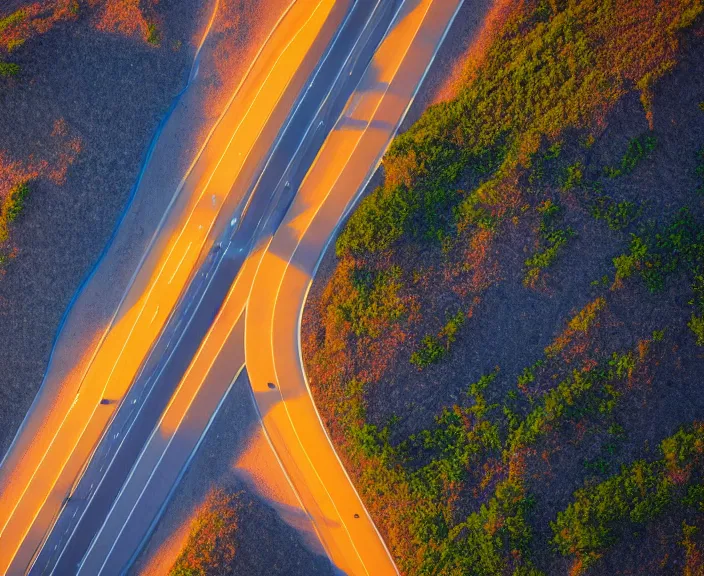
(343, 167)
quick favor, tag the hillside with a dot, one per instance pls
(505, 342)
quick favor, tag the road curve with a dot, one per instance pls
(259, 321)
(272, 325)
(43, 474)
(128, 517)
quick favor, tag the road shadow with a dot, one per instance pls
(274, 536)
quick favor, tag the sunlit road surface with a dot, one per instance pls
(272, 327)
(41, 481)
(270, 289)
(144, 489)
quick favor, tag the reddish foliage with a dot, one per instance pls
(211, 546)
(127, 17)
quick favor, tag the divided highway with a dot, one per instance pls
(223, 288)
(168, 450)
(35, 489)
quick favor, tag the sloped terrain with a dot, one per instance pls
(505, 341)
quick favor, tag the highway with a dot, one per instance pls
(224, 288)
(295, 150)
(41, 481)
(350, 156)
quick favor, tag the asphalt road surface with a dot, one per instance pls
(323, 100)
(272, 328)
(46, 466)
(233, 294)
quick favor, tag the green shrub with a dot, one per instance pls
(696, 325)
(552, 240)
(638, 149)
(373, 300)
(378, 222)
(153, 34)
(573, 176)
(431, 352)
(432, 349)
(452, 327)
(470, 212)
(8, 69)
(554, 151)
(11, 208)
(14, 202)
(600, 514)
(627, 264)
(14, 18)
(528, 375)
(617, 215)
(676, 246)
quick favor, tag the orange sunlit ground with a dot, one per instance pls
(40, 481)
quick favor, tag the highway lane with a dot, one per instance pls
(321, 104)
(283, 269)
(273, 315)
(35, 488)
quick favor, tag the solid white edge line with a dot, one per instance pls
(321, 106)
(323, 251)
(146, 299)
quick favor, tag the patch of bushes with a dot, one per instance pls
(577, 394)
(153, 34)
(455, 499)
(655, 255)
(573, 176)
(527, 376)
(471, 212)
(211, 547)
(14, 18)
(432, 349)
(552, 240)
(494, 539)
(365, 300)
(696, 325)
(11, 208)
(617, 215)
(600, 514)
(638, 149)
(380, 220)
(586, 317)
(8, 69)
(430, 352)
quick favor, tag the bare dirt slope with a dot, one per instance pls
(77, 118)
